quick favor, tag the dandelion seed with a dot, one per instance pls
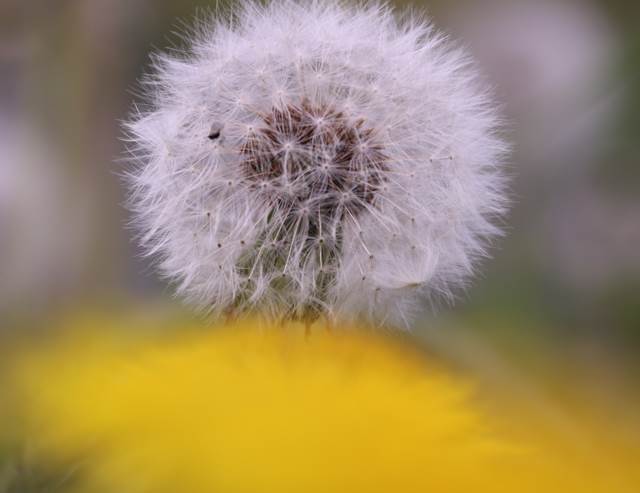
(326, 136)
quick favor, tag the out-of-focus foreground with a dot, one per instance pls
(554, 316)
(108, 406)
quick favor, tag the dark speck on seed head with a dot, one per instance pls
(215, 131)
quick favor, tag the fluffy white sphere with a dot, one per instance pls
(309, 157)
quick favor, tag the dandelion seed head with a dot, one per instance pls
(307, 158)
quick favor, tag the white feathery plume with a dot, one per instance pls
(309, 158)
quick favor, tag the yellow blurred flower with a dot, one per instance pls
(249, 408)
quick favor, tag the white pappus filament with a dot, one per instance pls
(309, 158)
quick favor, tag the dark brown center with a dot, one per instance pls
(313, 160)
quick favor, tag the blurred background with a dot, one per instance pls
(562, 294)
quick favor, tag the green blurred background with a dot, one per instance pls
(562, 291)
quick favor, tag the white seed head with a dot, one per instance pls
(308, 158)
